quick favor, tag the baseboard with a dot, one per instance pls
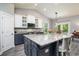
(6, 50)
(1, 53)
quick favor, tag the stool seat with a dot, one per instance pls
(65, 47)
(62, 49)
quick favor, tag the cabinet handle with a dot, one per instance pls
(47, 50)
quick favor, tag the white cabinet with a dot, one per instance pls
(20, 21)
(38, 23)
(6, 31)
(30, 19)
(24, 22)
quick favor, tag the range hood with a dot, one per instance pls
(30, 25)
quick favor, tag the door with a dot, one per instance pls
(7, 31)
(0, 34)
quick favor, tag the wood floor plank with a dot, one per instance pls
(19, 50)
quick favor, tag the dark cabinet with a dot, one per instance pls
(53, 49)
(44, 51)
(19, 39)
(27, 46)
(33, 49)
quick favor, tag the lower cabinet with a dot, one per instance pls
(33, 49)
(27, 47)
(44, 51)
(19, 39)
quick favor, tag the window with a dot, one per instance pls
(59, 27)
(45, 28)
(65, 27)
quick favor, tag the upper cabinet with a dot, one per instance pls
(18, 20)
(30, 19)
(38, 23)
(22, 21)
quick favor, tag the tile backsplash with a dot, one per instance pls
(28, 30)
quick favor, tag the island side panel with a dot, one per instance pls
(33, 49)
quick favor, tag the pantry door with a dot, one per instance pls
(0, 34)
(7, 31)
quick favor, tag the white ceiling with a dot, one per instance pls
(49, 9)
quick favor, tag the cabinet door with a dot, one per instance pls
(40, 23)
(31, 19)
(24, 22)
(18, 21)
(27, 46)
(7, 31)
(0, 33)
(34, 49)
(19, 39)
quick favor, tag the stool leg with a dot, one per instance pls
(62, 47)
(70, 47)
(62, 54)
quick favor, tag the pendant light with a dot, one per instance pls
(56, 14)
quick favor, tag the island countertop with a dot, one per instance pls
(42, 39)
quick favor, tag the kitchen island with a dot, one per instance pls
(42, 45)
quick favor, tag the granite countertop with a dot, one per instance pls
(21, 33)
(24, 33)
(42, 39)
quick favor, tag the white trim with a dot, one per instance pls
(1, 53)
(6, 49)
(64, 23)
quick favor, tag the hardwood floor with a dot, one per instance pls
(19, 50)
(75, 49)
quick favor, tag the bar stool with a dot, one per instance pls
(65, 47)
(70, 46)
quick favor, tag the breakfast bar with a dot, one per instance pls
(43, 44)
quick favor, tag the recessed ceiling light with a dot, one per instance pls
(35, 4)
(44, 9)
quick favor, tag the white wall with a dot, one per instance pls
(7, 7)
